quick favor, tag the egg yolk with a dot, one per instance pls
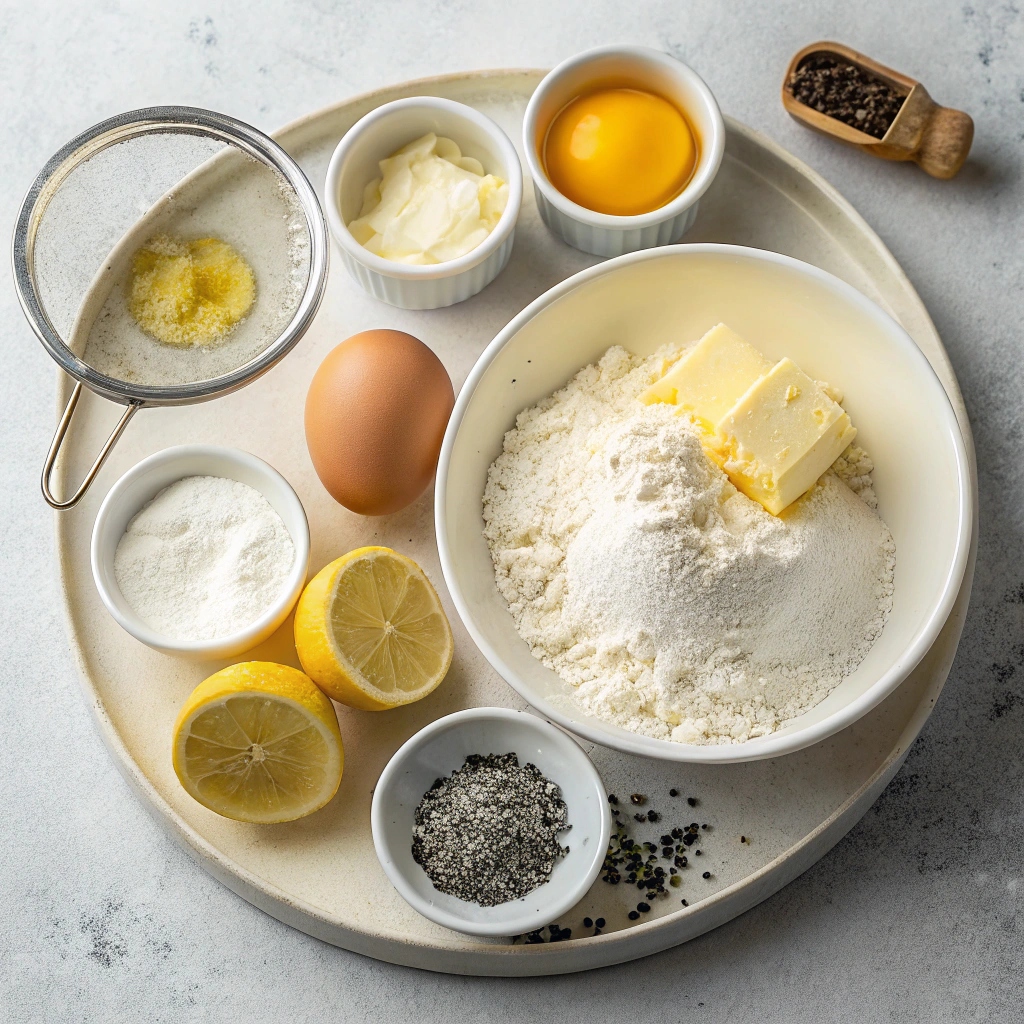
(620, 152)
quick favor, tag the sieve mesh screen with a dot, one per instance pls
(187, 187)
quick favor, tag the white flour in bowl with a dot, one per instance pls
(676, 606)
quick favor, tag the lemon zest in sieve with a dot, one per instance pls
(189, 293)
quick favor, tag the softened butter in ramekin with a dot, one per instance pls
(430, 205)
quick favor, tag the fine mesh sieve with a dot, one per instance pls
(163, 172)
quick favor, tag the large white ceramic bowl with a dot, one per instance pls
(440, 749)
(787, 308)
(140, 485)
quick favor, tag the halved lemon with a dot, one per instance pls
(259, 742)
(371, 632)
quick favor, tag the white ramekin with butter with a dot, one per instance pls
(376, 161)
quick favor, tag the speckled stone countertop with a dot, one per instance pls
(912, 917)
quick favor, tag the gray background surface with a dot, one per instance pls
(913, 917)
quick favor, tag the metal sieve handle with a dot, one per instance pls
(58, 440)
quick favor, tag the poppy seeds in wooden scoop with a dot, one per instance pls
(836, 88)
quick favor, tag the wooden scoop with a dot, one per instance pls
(936, 138)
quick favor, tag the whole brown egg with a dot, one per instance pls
(376, 411)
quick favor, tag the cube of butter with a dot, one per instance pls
(711, 377)
(781, 435)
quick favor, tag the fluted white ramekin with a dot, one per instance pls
(355, 163)
(639, 67)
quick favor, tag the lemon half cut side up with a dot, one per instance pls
(259, 742)
(370, 630)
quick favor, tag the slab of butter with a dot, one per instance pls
(711, 377)
(781, 435)
(771, 428)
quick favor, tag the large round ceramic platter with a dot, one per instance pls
(320, 874)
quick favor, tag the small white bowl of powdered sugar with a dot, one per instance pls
(200, 551)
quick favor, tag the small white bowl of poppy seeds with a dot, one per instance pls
(491, 822)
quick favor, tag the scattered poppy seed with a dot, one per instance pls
(707, 874)
(600, 922)
(684, 903)
(692, 801)
(636, 863)
(588, 922)
(638, 798)
(643, 907)
(633, 915)
(673, 792)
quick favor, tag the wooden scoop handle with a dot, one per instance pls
(945, 142)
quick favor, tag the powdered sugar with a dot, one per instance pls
(676, 606)
(204, 559)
